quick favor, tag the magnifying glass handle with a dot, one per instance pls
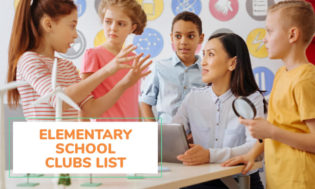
(260, 140)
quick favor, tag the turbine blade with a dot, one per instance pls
(68, 100)
(42, 99)
(13, 85)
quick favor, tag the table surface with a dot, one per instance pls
(178, 175)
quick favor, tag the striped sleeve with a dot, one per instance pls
(37, 74)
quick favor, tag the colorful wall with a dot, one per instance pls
(244, 17)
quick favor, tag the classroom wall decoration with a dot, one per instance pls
(243, 17)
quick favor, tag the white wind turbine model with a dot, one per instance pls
(60, 96)
(6, 87)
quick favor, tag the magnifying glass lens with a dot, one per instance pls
(244, 109)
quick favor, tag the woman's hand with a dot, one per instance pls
(196, 155)
(121, 60)
(247, 159)
(138, 71)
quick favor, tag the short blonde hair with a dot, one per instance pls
(131, 8)
(297, 13)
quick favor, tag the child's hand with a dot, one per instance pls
(136, 72)
(259, 128)
(246, 159)
(121, 60)
(196, 155)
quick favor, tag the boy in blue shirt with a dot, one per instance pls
(171, 79)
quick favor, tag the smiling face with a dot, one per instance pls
(185, 38)
(63, 32)
(216, 64)
(117, 25)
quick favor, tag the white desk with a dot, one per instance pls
(178, 176)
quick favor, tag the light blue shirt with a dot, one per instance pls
(214, 125)
(168, 84)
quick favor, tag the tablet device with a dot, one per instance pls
(174, 142)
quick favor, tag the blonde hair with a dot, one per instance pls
(297, 13)
(130, 7)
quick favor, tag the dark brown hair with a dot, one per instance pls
(26, 32)
(242, 82)
(191, 17)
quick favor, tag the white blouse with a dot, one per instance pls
(213, 123)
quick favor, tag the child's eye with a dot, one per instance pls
(178, 36)
(211, 54)
(191, 36)
(122, 24)
(107, 22)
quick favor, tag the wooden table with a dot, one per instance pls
(178, 176)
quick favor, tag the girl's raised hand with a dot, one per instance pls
(138, 70)
(121, 60)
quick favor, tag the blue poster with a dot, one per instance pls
(264, 78)
(179, 6)
(81, 5)
(150, 42)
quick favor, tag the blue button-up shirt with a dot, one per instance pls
(168, 84)
(214, 125)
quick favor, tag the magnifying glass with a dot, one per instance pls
(244, 108)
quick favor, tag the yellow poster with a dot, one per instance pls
(153, 8)
(256, 44)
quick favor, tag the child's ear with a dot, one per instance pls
(233, 63)
(294, 34)
(202, 36)
(134, 27)
(46, 23)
